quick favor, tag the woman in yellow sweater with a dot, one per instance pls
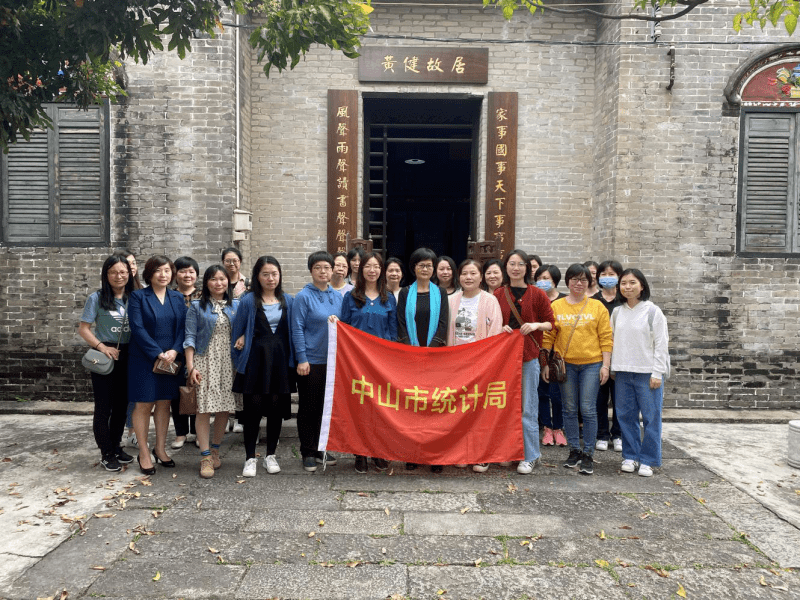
(582, 336)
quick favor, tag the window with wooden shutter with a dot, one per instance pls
(768, 200)
(55, 188)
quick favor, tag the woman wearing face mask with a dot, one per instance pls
(370, 308)
(474, 315)
(640, 362)
(394, 276)
(492, 275)
(609, 273)
(519, 297)
(550, 409)
(338, 279)
(208, 361)
(185, 280)
(444, 274)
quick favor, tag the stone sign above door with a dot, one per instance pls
(407, 64)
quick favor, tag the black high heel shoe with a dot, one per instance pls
(169, 464)
(150, 471)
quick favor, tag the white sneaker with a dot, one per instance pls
(271, 464)
(132, 441)
(601, 445)
(480, 467)
(617, 444)
(525, 467)
(237, 427)
(645, 471)
(250, 467)
(191, 437)
(628, 466)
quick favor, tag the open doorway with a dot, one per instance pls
(420, 172)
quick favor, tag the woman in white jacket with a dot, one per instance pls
(640, 362)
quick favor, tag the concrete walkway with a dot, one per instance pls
(720, 519)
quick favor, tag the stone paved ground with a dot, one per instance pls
(686, 532)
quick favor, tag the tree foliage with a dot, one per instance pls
(762, 12)
(66, 50)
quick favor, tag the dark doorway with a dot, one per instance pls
(420, 171)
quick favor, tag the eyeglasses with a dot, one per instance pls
(424, 266)
(232, 261)
(319, 268)
(516, 264)
(583, 281)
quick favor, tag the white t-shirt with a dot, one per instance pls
(466, 320)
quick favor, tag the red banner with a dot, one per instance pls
(455, 405)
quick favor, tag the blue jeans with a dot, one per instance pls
(530, 409)
(550, 396)
(580, 388)
(634, 396)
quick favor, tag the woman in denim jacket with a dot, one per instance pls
(208, 360)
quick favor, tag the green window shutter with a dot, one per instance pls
(81, 166)
(26, 190)
(768, 183)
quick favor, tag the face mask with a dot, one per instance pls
(544, 284)
(608, 282)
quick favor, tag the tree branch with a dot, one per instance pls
(690, 6)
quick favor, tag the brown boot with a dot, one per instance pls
(215, 458)
(206, 467)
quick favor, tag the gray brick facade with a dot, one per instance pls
(611, 165)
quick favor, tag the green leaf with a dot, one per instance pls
(737, 22)
(790, 22)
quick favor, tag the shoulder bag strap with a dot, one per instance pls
(575, 326)
(515, 312)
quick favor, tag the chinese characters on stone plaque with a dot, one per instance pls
(423, 65)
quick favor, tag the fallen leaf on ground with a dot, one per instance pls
(602, 563)
(321, 523)
(104, 515)
(363, 494)
(132, 548)
(512, 488)
(659, 572)
(199, 503)
(677, 482)
(387, 511)
(602, 534)
(157, 576)
(311, 534)
(174, 475)
(98, 568)
(524, 543)
(644, 515)
(6, 459)
(240, 481)
(353, 563)
(668, 503)
(213, 550)
(220, 560)
(465, 509)
(626, 527)
(383, 550)
(326, 564)
(440, 592)
(763, 581)
(478, 562)
(156, 513)
(681, 592)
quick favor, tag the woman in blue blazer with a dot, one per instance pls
(263, 359)
(158, 319)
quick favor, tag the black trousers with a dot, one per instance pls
(256, 405)
(111, 403)
(311, 392)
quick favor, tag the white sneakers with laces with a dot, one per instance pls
(250, 467)
(628, 466)
(271, 464)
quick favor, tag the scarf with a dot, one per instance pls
(411, 311)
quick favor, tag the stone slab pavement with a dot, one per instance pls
(719, 519)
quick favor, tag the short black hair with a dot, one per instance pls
(228, 251)
(184, 262)
(535, 257)
(319, 256)
(576, 270)
(615, 266)
(418, 255)
(555, 273)
(524, 256)
(591, 263)
(645, 295)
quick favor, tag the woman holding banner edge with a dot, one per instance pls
(423, 312)
(527, 308)
(371, 308)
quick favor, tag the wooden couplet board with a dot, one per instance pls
(343, 155)
(501, 169)
(410, 64)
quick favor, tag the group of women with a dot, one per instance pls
(248, 345)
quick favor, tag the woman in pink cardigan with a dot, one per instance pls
(474, 315)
